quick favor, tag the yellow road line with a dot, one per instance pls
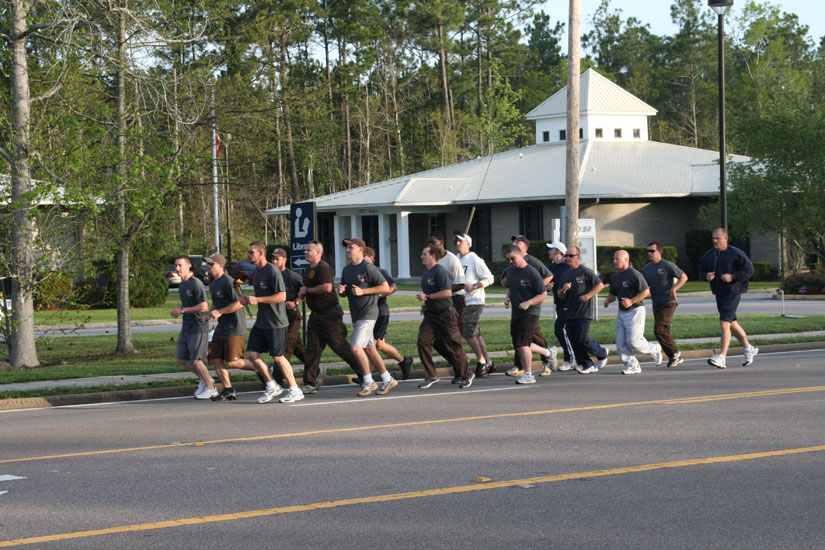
(678, 401)
(404, 496)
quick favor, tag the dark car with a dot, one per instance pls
(199, 268)
(241, 271)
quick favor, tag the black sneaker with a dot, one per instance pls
(468, 382)
(228, 394)
(456, 379)
(490, 368)
(405, 367)
(480, 368)
(428, 382)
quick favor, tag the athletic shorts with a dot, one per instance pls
(381, 325)
(192, 347)
(362, 333)
(270, 340)
(227, 347)
(727, 306)
(522, 329)
(471, 316)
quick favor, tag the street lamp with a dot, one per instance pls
(721, 7)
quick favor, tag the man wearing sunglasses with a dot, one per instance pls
(578, 286)
(664, 279)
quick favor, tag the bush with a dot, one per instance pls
(54, 290)
(764, 271)
(804, 282)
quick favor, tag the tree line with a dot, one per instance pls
(109, 108)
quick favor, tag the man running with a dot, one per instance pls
(558, 265)
(664, 279)
(476, 276)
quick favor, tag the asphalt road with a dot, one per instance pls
(688, 305)
(693, 457)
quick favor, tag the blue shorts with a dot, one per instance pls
(727, 306)
(270, 340)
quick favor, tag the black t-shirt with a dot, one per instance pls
(293, 283)
(627, 284)
(532, 262)
(383, 308)
(192, 293)
(223, 293)
(363, 275)
(267, 282)
(319, 275)
(557, 270)
(524, 284)
(583, 279)
(435, 280)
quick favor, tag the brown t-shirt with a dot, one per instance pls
(318, 275)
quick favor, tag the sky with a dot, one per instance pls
(657, 13)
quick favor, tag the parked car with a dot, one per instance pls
(241, 271)
(171, 276)
(199, 268)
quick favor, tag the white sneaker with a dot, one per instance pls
(633, 369)
(201, 387)
(206, 393)
(526, 378)
(292, 395)
(514, 372)
(657, 354)
(602, 362)
(566, 366)
(589, 370)
(717, 361)
(750, 353)
(271, 393)
(549, 361)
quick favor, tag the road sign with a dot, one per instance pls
(302, 231)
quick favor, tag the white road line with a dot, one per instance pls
(6, 477)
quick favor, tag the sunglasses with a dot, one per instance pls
(652, 251)
(570, 255)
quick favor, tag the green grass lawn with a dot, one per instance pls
(77, 357)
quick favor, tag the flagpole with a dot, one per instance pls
(215, 177)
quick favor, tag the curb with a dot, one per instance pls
(338, 379)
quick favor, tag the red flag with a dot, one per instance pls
(218, 143)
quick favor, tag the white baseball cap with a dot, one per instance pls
(558, 246)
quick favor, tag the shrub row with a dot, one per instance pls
(146, 288)
(804, 282)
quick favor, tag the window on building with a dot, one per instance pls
(562, 135)
(637, 133)
(438, 222)
(599, 132)
(530, 221)
(581, 133)
(545, 136)
(617, 133)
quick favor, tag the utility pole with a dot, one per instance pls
(215, 178)
(571, 190)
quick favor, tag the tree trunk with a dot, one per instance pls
(445, 89)
(571, 193)
(124, 328)
(290, 149)
(479, 82)
(22, 350)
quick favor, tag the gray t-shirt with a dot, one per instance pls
(627, 284)
(660, 277)
(363, 275)
(582, 279)
(223, 293)
(524, 284)
(192, 293)
(267, 282)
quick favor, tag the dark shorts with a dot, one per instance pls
(471, 317)
(271, 341)
(727, 306)
(522, 329)
(381, 325)
(192, 347)
(226, 347)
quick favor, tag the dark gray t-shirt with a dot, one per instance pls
(627, 284)
(223, 293)
(524, 284)
(293, 281)
(660, 279)
(435, 280)
(383, 308)
(533, 262)
(363, 275)
(583, 279)
(268, 281)
(192, 293)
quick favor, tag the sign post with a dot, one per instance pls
(587, 247)
(302, 231)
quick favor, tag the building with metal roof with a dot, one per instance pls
(637, 190)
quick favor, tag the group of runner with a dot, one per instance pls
(452, 299)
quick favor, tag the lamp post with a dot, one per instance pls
(721, 7)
